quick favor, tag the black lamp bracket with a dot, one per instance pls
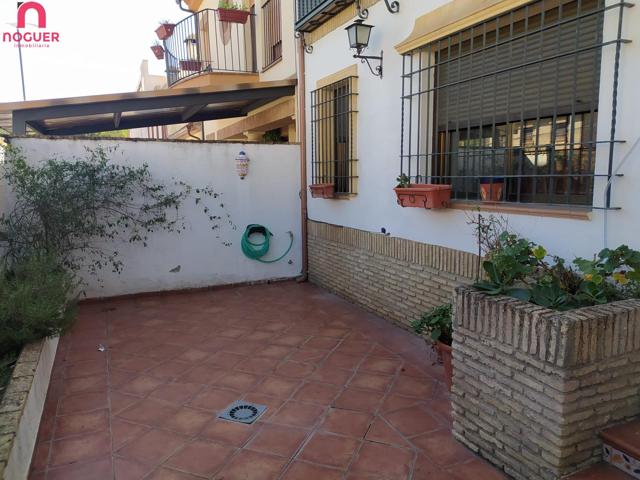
(377, 70)
(392, 6)
(307, 48)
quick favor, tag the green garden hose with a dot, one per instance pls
(256, 251)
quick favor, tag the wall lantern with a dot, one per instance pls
(359, 34)
(242, 165)
(392, 6)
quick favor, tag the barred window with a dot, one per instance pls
(333, 125)
(271, 32)
(510, 102)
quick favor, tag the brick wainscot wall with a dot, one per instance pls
(534, 387)
(395, 278)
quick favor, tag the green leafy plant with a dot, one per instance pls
(79, 210)
(38, 300)
(437, 323)
(228, 5)
(403, 181)
(517, 267)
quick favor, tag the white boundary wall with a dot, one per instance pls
(379, 130)
(269, 195)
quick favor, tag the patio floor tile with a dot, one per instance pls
(331, 450)
(200, 458)
(248, 465)
(348, 396)
(153, 446)
(307, 471)
(278, 440)
(384, 460)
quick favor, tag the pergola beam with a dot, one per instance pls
(189, 112)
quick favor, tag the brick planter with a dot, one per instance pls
(532, 387)
(22, 406)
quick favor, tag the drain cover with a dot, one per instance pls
(242, 412)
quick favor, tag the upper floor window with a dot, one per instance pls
(511, 102)
(271, 32)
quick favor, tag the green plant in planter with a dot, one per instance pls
(227, 5)
(403, 181)
(437, 323)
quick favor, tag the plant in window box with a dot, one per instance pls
(422, 195)
(437, 324)
(191, 47)
(158, 50)
(491, 189)
(232, 12)
(165, 30)
(323, 190)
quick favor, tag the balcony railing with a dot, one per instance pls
(202, 43)
(310, 14)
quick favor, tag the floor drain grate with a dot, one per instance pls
(242, 412)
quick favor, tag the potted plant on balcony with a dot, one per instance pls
(165, 30)
(192, 64)
(437, 324)
(491, 189)
(232, 12)
(422, 195)
(322, 190)
(158, 50)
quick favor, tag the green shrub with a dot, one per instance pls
(436, 323)
(37, 300)
(521, 269)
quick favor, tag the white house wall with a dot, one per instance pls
(269, 195)
(379, 121)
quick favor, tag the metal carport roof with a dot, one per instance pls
(101, 113)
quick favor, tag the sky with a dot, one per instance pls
(102, 43)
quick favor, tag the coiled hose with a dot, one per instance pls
(256, 251)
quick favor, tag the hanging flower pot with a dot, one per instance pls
(158, 51)
(191, 65)
(165, 30)
(233, 15)
(424, 195)
(322, 190)
(491, 189)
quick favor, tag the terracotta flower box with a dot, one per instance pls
(233, 15)
(191, 65)
(491, 189)
(322, 190)
(158, 51)
(165, 30)
(424, 195)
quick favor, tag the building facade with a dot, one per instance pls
(207, 49)
(530, 100)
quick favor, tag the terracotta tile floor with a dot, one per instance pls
(349, 395)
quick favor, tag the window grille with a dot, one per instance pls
(333, 125)
(512, 100)
(271, 32)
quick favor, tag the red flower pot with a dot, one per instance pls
(165, 30)
(491, 192)
(322, 190)
(233, 16)
(424, 195)
(444, 354)
(158, 51)
(191, 65)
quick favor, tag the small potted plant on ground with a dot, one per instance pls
(158, 50)
(422, 195)
(437, 324)
(491, 189)
(165, 30)
(322, 190)
(232, 12)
